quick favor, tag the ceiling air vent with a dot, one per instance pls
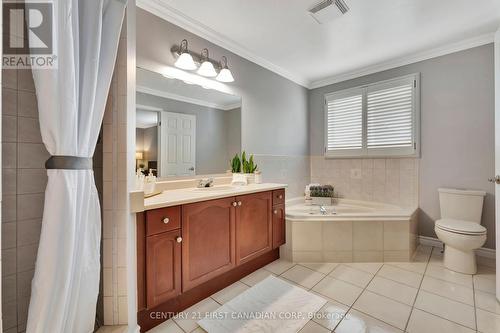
(328, 10)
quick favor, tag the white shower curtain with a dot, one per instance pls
(71, 102)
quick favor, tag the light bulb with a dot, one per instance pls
(225, 75)
(185, 61)
(207, 69)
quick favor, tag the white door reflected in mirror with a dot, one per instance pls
(178, 134)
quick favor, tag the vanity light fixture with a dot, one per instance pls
(225, 74)
(201, 62)
(185, 60)
(206, 68)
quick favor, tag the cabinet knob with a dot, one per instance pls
(166, 220)
(275, 212)
(179, 239)
(235, 204)
(239, 203)
(280, 196)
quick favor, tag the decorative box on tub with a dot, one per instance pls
(321, 194)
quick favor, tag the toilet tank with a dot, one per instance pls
(464, 205)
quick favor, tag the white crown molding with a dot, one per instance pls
(147, 108)
(402, 61)
(155, 92)
(172, 15)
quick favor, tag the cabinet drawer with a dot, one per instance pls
(163, 219)
(278, 197)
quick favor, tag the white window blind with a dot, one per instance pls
(344, 122)
(380, 119)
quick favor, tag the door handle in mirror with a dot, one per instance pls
(495, 180)
(191, 169)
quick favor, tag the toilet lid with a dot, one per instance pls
(463, 227)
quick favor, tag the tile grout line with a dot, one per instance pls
(474, 301)
(418, 290)
(365, 288)
(351, 306)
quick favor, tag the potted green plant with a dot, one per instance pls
(243, 169)
(238, 177)
(248, 168)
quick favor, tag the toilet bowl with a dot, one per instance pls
(459, 228)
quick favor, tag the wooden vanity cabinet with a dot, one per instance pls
(253, 226)
(208, 245)
(163, 267)
(186, 253)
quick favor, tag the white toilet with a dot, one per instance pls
(460, 228)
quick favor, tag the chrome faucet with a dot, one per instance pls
(205, 182)
(322, 210)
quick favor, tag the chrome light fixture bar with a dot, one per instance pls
(201, 62)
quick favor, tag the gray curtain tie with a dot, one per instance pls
(69, 163)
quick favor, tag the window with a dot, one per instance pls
(380, 119)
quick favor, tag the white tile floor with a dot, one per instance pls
(417, 297)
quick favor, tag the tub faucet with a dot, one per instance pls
(322, 210)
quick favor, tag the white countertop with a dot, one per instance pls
(189, 195)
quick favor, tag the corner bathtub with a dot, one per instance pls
(351, 231)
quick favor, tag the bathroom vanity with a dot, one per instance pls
(193, 242)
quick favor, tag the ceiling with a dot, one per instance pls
(374, 35)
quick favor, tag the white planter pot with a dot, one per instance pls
(321, 201)
(239, 179)
(250, 178)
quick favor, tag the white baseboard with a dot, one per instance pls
(431, 241)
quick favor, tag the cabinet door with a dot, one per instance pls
(163, 267)
(278, 226)
(208, 232)
(253, 226)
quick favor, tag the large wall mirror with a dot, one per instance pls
(184, 129)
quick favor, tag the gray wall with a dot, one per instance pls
(457, 134)
(274, 113)
(151, 143)
(147, 138)
(213, 133)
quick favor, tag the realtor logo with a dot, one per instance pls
(28, 34)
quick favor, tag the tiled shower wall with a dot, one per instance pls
(23, 181)
(115, 194)
(23, 185)
(390, 180)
